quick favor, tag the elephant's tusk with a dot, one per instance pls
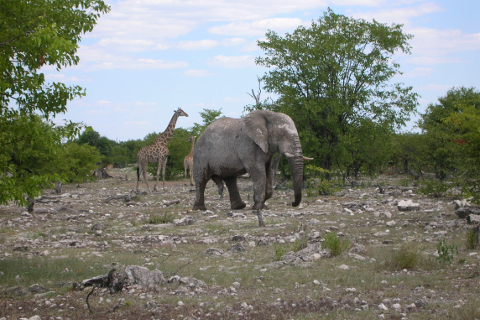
(307, 159)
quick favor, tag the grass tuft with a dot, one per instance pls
(335, 244)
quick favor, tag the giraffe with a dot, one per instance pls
(157, 152)
(188, 161)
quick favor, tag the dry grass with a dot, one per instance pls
(395, 266)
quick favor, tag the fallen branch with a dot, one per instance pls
(110, 281)
(124, 197)
(169, 203)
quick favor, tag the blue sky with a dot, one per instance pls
(146, 58)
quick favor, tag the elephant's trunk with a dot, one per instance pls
(296, 165)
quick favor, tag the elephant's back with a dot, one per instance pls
(219, 141)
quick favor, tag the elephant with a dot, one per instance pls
(229, 148)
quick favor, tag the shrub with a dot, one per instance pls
(446, 253)
(335, 244)
(280, 250)
(471, 238)
(299, 244)
(157, 219)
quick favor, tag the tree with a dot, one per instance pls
(451, 131)
(33, 34)
(208, 116)
(335, 74)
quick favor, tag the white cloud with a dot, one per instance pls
(233, 62)
(198, 73)
(436, 42)
(424, 60)
(435, 87)
(259, 27)
(145, 104)
(233, 42)
(104, 102)
(120, 110)
(399, 15)
(97, 58)
(126, 44)
(418, 73)
(197, 45)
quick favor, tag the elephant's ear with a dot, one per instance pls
(256, 126)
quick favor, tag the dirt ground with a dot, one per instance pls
(218, 264)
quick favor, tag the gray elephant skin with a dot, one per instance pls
(230, 147)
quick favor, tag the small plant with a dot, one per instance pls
(299, 244)
(407, 257)
(434, 188)
(471, 238)
(157, 219)
(335, 244)
(280, 250)
(446, 253)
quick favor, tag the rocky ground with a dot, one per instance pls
(406, 259)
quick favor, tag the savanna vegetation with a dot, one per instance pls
(333, 78)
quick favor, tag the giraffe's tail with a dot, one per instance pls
(138, 173)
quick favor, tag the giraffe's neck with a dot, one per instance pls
(168, 133)
(193, 145)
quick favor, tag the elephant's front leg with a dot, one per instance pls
(270, 174)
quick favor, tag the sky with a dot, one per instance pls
(146, 58)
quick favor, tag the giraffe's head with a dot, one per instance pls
(191, 138)
(179, 112)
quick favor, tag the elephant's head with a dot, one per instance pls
(276, 132)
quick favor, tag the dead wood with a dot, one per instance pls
(169, 203)
(112, 281)
(124, 197)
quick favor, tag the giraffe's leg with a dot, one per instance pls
(191, 174)
(163, 171)
(143, 168)
(158, 172)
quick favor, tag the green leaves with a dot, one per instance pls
(34, 33)
(335, 75)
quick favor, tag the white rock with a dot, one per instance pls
(343, 267)
(391, 223)
(407, 205)
(382, 307)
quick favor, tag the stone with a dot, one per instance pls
(407, 205)
(36, 288)
(463, 212)
(185, 221)
(144, 277)
(15, 291)
(391, 223)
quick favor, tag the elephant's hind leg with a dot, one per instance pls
(235, 199)
(200, 196)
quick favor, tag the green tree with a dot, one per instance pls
(451, 132)
(333, 75)
(33, 34)
(208, 116)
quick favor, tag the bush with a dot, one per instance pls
(280, 251)
(446, 252)
(471, 238)
(158, 219)
(335, 244)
